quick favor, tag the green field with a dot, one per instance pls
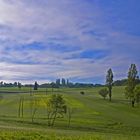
(92, 116)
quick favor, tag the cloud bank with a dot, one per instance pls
(76, 39)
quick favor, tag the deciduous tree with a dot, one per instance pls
(56, 105)
(35, 86)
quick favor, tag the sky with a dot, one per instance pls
(42, 40)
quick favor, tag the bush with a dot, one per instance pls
(103, 92)
(82, 92)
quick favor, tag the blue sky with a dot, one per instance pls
(76, 39)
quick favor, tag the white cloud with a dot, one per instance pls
(66, 23)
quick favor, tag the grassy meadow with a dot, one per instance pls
(92, 117)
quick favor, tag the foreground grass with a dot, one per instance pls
(92, 118)
(22, 134)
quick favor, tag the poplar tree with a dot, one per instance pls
(131, 83)
(109, 82)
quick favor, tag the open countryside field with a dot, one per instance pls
(92, 117)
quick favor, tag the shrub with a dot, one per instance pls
(82, 92)
(103, 92)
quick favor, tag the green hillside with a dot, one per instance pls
(92, 116)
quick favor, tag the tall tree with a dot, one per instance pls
(109, 82)
(1, 83)
(15, 84)
(35, 86)
(131, 83)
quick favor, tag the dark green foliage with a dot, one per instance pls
(84, 85)
(1, 83)
(53, 85)
(131, 83)
(4, 84)
(137, 93)
(15, 84)
(45, 85)
(35, 86)
(82, 92)
(19, 85)
(122, 82)
(69, 84)
(103, 92)
(109, 82)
